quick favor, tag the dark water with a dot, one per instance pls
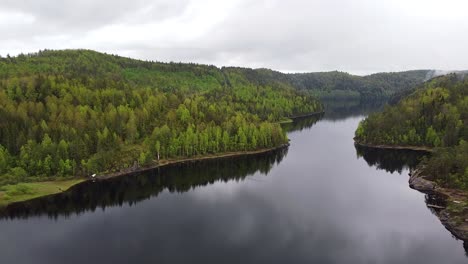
(322, 201)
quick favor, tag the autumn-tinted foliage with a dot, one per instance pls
(75, 112)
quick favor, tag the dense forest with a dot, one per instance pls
(434, 116)
(76, 112)
(89, 196)
(379, 86)
(340, 85)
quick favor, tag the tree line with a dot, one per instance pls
(75, 112)
(434, 116)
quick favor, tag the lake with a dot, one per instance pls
(321, 200)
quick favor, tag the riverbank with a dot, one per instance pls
(454, 213)
(291, 119)
(167, 162)
(27, 191)
(307, 115)
(394, 147)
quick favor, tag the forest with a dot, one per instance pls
(370, 88)
(435, 116)
(343, 86)
(130, 190)
(72, 113)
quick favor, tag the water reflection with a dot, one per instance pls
(89, 196)
(302, 123)
(339, 110)
(390, 160)
(320, 205)
(398, 161)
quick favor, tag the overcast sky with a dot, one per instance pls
(357, 36)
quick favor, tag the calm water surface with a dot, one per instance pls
(321, 201)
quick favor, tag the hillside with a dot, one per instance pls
(76, 112)
(339, 85)
(434, 116)
(379, 86)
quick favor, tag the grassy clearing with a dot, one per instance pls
(26, 191)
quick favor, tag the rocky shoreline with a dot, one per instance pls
(454, 214)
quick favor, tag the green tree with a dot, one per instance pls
(4, 160)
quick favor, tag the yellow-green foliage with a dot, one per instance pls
(78, 112)
(433, 116)
(436, 116)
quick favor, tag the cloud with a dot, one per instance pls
(359, 36)
(88, 14)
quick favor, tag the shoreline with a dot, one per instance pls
(394, 147)
(168, 162)
(452, 215)
(306, 115)
(164, 163)
(291, 119)
(129, 172)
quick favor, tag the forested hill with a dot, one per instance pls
(434, 116)
(334, 85)
(339, 85)
(87, 64)
(76, 112)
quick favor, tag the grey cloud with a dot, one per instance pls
(61, 16)
(361, 36)
(356, 36)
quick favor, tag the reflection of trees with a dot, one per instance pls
(338, 110)
(302, 123)
(397, 160)
(134, 188)
(335, 110)
(389, 159)
(465, 247)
